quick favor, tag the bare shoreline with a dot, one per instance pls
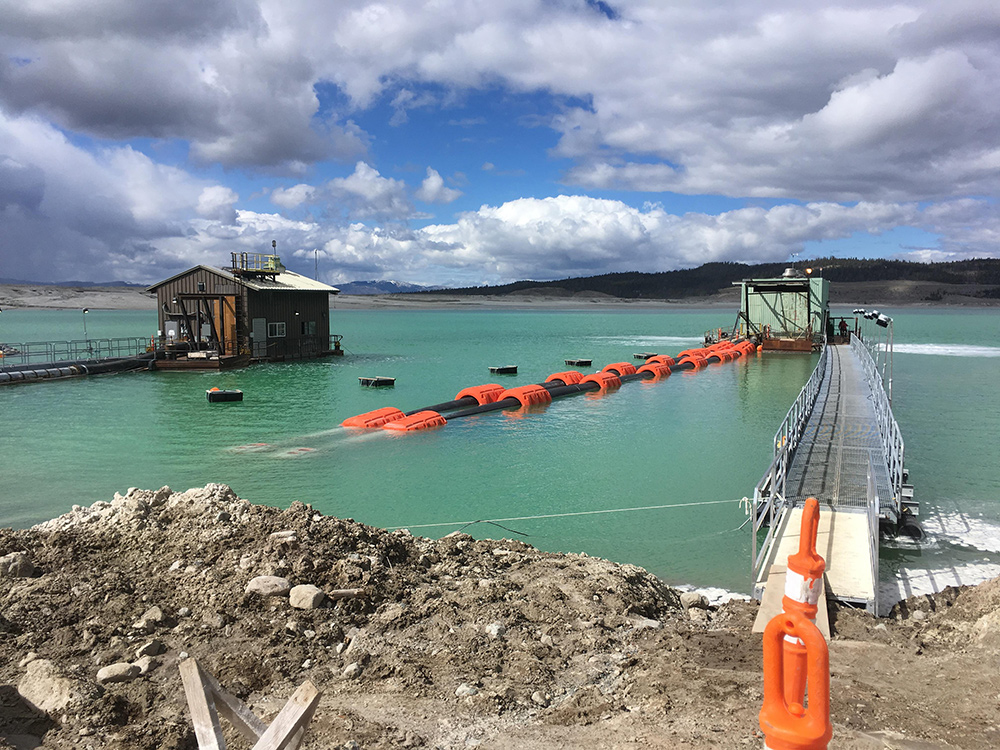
(897, 294)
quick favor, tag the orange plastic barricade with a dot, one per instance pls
(484, 394)
(605, 380)
(803, 580)
(620, 368)
(528, 395)
(790, 725)
(371, 419)
(422, 420)
(659, 370)
(570, 377)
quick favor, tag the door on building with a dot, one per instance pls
(259, 336)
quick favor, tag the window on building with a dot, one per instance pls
(275, 330)
(308, 327)
(201, 286)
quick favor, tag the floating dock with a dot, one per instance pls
(378, 381)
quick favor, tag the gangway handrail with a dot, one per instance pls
(892, 438)
(31, 352)
(873, 512)
(769, 495)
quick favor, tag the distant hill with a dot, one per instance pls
(713, 278)
(75, 284)
(382, 287)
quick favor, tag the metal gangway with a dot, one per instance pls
(840, 444)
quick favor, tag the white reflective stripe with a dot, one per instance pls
(793, 639)
(801, 589)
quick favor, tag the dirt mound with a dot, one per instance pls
(451, 643)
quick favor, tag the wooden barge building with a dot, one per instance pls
(254, 311)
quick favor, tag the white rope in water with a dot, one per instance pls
(564, 515)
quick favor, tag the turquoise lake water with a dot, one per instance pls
(693, 438)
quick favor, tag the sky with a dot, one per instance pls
(470, 142)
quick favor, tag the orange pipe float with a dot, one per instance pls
(570, 377)
(422, 420)
(620, 368)
(527, 395)
(604, 380)
(371, 419)
(484, 394)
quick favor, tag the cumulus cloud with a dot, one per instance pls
(576, 235)
(432, 189)
(368, 194)
(294, 196)
(217, 202)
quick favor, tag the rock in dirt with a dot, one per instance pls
(152, 648)
(147, 664)
(151, 619)
(16, 565)
(120, 672)
(48, 689)
(693, 599)
(306, 596)
(269, 586)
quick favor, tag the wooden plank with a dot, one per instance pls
(204, 718)
(235, 711)
(293, 717)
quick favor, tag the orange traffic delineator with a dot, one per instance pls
(422, 420)
(620, 368)
(372, 419)
(484, 394)
(803, 585)
(604, 380)
(528, 395)
(791, 725)
(805, 567)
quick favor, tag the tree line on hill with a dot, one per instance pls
(712, 278)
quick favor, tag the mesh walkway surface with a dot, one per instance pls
(832, 458)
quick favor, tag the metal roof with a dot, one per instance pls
(285, 281)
